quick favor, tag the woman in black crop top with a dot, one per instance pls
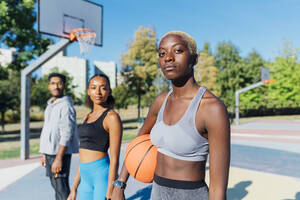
(100, 131)
(183, 139)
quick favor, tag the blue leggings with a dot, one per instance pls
(94, 179)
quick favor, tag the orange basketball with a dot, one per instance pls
(140, 158)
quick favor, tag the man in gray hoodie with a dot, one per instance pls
(59, 136)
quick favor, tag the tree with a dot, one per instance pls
(284, 92)
(3, 73)
(39, 93)
(139, 63)
(255, 98)
(17, 19)
(9, 95)
(206, 49)
(148, 98)
(230, 77)
(205, 71)
(254, 63)
(121, 92)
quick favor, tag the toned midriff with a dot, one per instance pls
(176, 169)
(86, 155)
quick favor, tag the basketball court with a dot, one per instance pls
(265, 159)
(261, 168)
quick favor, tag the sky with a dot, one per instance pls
(262, 25)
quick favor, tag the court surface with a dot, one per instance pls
(265, 163)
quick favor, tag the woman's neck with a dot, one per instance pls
(99, 108)
(180, 90)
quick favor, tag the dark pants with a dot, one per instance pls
(60, 183)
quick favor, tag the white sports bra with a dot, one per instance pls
(181, 140)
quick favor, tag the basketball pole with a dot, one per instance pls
(237, 98)
(25, 93)
(265, 79)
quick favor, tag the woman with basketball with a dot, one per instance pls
(100, 131)
(185, 124)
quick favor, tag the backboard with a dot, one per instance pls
(265, 74)
(60, 17)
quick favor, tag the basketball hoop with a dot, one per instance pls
(268, 81)
(85, 37)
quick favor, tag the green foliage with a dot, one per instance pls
(230, 77)
(122, 100)
(139, 63)
(254, 63)
(236, 73)
(255, 98)
(82, 98)
(148, 98)
(39, 93)
(9, 95)
(206, 49)
(3, 73)
(205, 71)
(17, 19)
(284, 92)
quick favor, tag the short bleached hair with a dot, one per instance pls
(190, 41)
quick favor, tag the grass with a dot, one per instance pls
(245, 120)
(15, 152)
(10, 140)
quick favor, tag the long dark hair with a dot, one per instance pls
(110, 99)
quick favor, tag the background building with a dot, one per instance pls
(76, 67)
(109, 69)
(6, 56)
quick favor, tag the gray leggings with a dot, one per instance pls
(165, 192)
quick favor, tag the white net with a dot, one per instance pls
(86, 39)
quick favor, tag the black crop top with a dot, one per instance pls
(93, 136)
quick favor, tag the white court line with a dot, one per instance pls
(12, 174)
(265, 136)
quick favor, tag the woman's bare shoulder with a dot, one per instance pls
(161, 97)
(212, 104)
(112, 115)
(158, 101)
(85, 117)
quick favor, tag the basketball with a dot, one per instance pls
(140, 158)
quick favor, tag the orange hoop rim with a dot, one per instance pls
(268, 81)
(89, 33)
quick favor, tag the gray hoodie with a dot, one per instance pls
(59, 127)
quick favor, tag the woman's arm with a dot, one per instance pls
(218, 128)
(72, 195)
(114, 125)
(118, 193)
